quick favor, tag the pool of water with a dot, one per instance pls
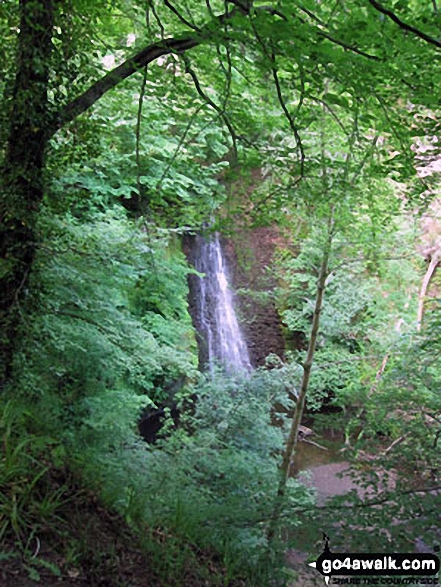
(320, 464)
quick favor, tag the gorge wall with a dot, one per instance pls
(248, 254)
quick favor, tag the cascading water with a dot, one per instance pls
(216, 317)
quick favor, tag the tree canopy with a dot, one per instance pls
(127, 127)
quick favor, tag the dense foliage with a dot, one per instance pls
(124, 127)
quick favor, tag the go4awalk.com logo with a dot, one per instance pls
(377, 568)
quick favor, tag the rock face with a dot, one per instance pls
(248, 255)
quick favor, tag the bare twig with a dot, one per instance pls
(288, 115)
(365, 159)
(209, 101)
(347, 47)
(180, 145)
(227, 72)
(151, 6)
(314, 444)
(329, 37)
(395, 443)
(312, 16)
(138, 135)
(403, 25)
(331, 112)
(179, 15)
(20, 287)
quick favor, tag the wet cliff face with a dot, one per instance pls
(190, 249)
(248, 254)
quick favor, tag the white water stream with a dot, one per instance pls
(215, 307)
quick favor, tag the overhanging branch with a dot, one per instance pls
(173, 45)
(120, 73)
(404, 25)
(209, 101)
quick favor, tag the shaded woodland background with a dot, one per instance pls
(307, 135)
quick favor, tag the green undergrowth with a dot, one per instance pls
(55, 525)
(210, 483)
(107, 335)
(196, 505)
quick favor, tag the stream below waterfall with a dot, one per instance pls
(323, 468)
(320, 465)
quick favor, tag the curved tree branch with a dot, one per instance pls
(404, 25)
(117, 75)
(179, 15)
(172, 45)
(209, 101)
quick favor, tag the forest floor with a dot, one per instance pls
(96, 551)
(91, 546)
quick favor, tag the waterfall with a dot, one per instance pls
(216, 318)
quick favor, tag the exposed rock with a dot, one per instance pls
(304, 431)
(249, 255)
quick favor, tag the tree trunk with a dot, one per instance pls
(23, 167)
(300, 404)
(301, 399)
(436, 257)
